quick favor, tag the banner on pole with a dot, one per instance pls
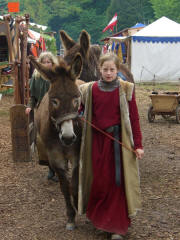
(111, 24)
(13, 6)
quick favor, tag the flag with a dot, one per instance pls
(13, 6)
(111, 24)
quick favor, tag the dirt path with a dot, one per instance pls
(32, 208)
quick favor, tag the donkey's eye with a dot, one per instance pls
(55, 102)
(76, 102)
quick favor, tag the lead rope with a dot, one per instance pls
(106, 134)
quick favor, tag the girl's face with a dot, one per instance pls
(109, 71)
(47, 62)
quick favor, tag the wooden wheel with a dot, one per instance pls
(151, 115)
(178, 114)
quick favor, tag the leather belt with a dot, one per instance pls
(117, 156)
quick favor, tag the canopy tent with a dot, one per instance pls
(155, 52)
(38, 26)
(120, 42)
(138, 25)
(37, 42)
(44, 41)
(119, 39)
(33, 36)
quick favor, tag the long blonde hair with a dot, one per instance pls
(43, 55)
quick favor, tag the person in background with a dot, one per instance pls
(38, 88)
(121, 75)
(109, 190)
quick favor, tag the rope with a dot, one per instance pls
(106, 134)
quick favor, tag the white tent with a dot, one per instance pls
(155, 52)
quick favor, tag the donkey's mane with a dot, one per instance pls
(61, 68)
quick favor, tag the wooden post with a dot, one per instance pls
(129, 53)
(18, 117)
(20, 134)
(7, 32)
(27, 90)
(17, 95)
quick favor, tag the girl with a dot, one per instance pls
(109, 182)
(38, 85)
(38, 88)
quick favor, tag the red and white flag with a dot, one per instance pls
(111, 24)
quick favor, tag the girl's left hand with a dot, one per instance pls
(139, 153)
(27, 111)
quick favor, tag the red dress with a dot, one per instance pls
(107, 207)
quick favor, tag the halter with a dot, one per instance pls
(65, 117)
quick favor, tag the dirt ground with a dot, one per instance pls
(32, 208)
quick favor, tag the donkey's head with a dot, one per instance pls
(63, 95)
(90, 54)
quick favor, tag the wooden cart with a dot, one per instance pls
(165, 104)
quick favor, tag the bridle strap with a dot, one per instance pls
(63, 118)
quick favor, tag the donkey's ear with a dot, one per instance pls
(84, 42)
(46, 72)
(67, 42)
(76, 66)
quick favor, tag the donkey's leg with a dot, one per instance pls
(65, 189)
(74, 184)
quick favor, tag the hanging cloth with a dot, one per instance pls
(119, 53)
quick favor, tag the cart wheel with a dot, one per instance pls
(178, 114)
(151, 115)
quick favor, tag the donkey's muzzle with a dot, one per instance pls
(66, 134)
(68, 141)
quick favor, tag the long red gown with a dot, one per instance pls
(107, 207)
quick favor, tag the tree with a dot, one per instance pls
(130, 12)
(3, 7)
(88, 14)
(168, 8)
(38, 11)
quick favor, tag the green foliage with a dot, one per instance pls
(87, 20)
(168, 8)
(37, 9)
(3, 7)
(92, 15)
(50, 43)
(65, 8)
(130, 12)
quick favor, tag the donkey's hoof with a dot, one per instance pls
(70, 226)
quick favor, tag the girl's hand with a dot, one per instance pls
(139, 153)
(27, 111)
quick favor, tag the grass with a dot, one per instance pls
(159, 87)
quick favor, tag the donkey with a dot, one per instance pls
(59, 128)
(90, 56)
